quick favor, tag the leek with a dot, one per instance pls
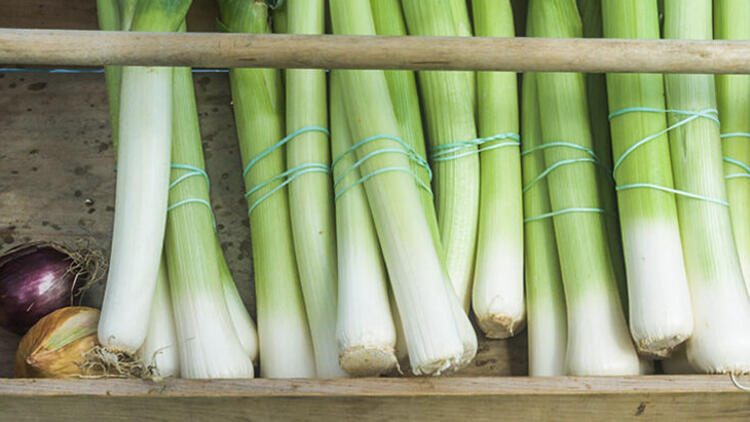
(733, 95)
(721, 304)
(160, 350)
(497, 298)
(366, 331)
(311, 196)
(598, 338)
(145, 130)
(545, 299)
(108, 14)
(209, 344)
(242, 322)
(285, 344)
(436, 337)
(402, 87)
(449, 109)
(660, 310)
(596, 90)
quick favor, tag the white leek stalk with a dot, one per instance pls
(733, 95)
(243, 323)
(435, 337)
(311, 195)
(366, 332)
(598, 338)
(721, 303)
(284, 337)
(160, 350)
(660, 311)
(545, 299)
(145, 131)
(498, 298)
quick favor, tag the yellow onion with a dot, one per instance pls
(55, 346)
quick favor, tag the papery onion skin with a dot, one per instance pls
(35, 279)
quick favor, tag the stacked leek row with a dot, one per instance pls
(372, 235)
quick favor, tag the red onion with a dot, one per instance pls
(36, 279)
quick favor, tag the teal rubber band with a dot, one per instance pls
(295, 173)
(318, 166)
(707, 113)
(361, 161)
(710, 113)
(445, 152)
(558, 164)
(734, 161)
(280, 144)
(408, 151)
(674, 191)
(562, 212)
(594, 159)
(693, 116)
(191, 201)
(380, 171)
(411, 152)
(194, 171)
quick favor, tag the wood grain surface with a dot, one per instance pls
(481, 399)
(97, 48)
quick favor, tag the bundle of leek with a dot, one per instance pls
(598, 338)
(438, 334)
(285, 344)
(660, 311)
(311, 196)
(144, 133)
(721, 303)
(733, 95)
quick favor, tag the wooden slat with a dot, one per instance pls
(96, 48)
(516, 398)
(57, 182)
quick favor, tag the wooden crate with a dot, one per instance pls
(57, 183)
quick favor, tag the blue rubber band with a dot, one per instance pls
(730, 160)
(295, 173)
(593, 159)
(280, 144)
(193, 171)
(287, 176)
(562, 212)
(710, 113)
(407, 150)
(446, 152)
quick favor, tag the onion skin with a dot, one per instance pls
(35, 280)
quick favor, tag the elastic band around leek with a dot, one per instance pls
(408, 151)
(446, 152)
(593, 159)
(738, 163)
(289, 175)
(194, 171)
(710, 113)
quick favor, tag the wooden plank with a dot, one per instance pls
(97, 48)
(57, 182)
(81, 14)
(515, 398)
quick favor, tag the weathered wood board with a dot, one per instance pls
(655, 398)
